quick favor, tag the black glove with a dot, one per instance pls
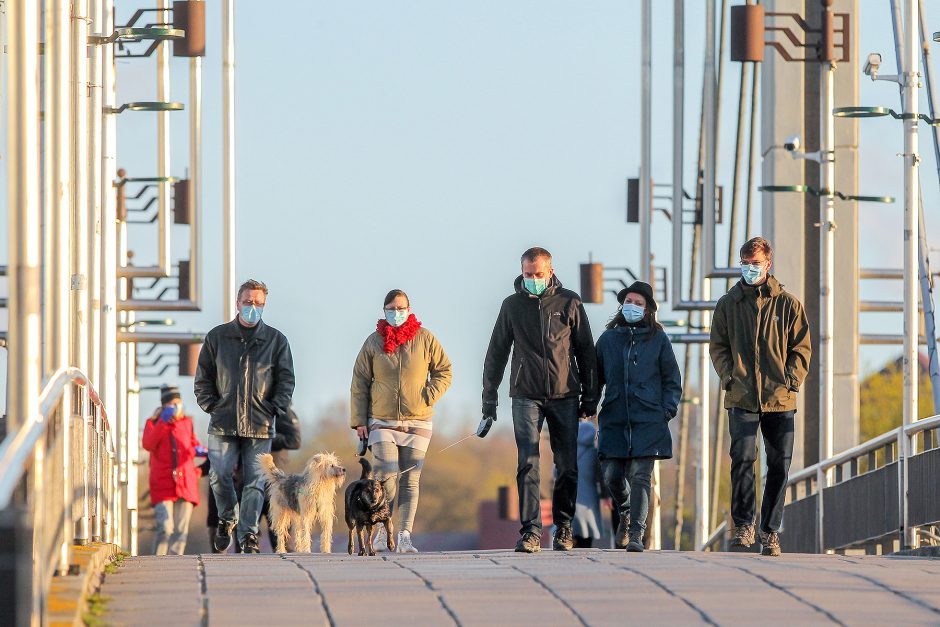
(587, 409)
(489, 410)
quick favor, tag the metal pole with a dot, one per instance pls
(94, 194)
(827, 228)
(926, 278)
(910, 83)
(702, 531)
(228, 156)
(57, 135)
(195, 179)
(78, 238)
(163, 146)
(752, 149)
(646, 105)
(108, 345)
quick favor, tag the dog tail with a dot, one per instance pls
(266, 465)
(366, 468)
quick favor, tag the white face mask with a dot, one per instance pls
(632, 313)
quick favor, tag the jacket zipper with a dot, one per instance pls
(626, 393)
(757, 325)
(548, 386)
(399, 384)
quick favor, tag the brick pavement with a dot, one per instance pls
(583, 587)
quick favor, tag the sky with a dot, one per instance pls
(423, 145)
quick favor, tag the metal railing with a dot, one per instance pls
(878, 487)
(58, 476)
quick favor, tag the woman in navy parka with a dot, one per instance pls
(642, 387)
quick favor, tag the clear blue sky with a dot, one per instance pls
(424, 144)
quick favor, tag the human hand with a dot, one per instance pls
(168, 414)
(362, 432)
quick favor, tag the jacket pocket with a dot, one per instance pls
(518, 375)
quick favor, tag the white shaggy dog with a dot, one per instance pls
(300, 500)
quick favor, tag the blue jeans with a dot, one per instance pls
(528, 415)
(226, 453)
(629, 482)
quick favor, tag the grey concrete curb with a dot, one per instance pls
(67, 601)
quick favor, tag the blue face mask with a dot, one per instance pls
(396, 318)
(251, 314)
(751, 272)
(632, 313)
(535, 286)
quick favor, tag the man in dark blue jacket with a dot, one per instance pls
(553, 378)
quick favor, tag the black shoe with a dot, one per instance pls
(529, 543)
(563, 540)
(250, 544)
(223, 536)
(635, 545)
(622, 537)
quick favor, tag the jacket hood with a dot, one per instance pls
(772, 287)
(553, 286)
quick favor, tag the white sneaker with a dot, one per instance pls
(381, 540)
(404, 543)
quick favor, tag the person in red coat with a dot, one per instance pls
(174, 492)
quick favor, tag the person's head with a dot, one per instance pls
(170, 395)
(252, 296)
(637, 307)
(537, 270)
(397, 308)
(757, 258)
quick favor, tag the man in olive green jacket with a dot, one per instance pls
(760, 348)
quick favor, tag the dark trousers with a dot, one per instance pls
(528, 415)
(777, 430)
(629, 482)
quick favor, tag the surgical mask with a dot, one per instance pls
(632, 313)
(396, 317)
(251, 314)
(751, 272)
(535, 286)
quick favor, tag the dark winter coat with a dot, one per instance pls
(551, 343)
(244, 384)
(172, 448)
(642, 388)
(760, 346)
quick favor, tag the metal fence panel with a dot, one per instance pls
(861, 508)
(923, 488)
(799, 526)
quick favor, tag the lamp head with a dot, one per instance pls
(872, 63)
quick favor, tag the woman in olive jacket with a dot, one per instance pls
(642, 387)
(401, 372)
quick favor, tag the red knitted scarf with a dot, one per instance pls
(396, 336)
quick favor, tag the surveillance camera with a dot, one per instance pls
(872, 63)
(792, 144)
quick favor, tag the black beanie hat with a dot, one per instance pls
(643, 289)
(168, 393)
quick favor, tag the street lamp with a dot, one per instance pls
(145, 106)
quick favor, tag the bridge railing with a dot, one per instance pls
(875, 492)
(58, 484)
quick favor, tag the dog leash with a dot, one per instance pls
(363, 444)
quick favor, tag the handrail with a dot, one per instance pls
(17, 448)
(717, 534)
(864, 448)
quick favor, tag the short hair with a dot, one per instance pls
(755, 245)
(251, 284)
(395, 294)
(535, 253)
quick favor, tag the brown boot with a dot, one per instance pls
(770, 543)
(743, 538)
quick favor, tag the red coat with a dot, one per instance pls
(158, 440)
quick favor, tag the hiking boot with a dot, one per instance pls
(529, 543)
(563, 540)
(743, 538)
(381, 539)
(223, 536)
(622, 537)
(636, 542)
(404, 543)
(250, 544)
(770, 543)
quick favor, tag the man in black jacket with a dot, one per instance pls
(553, 364)
(244, 381)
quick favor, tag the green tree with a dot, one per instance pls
(882, 397)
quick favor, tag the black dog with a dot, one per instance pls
(366, 506)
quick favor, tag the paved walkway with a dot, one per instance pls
(584, 587)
